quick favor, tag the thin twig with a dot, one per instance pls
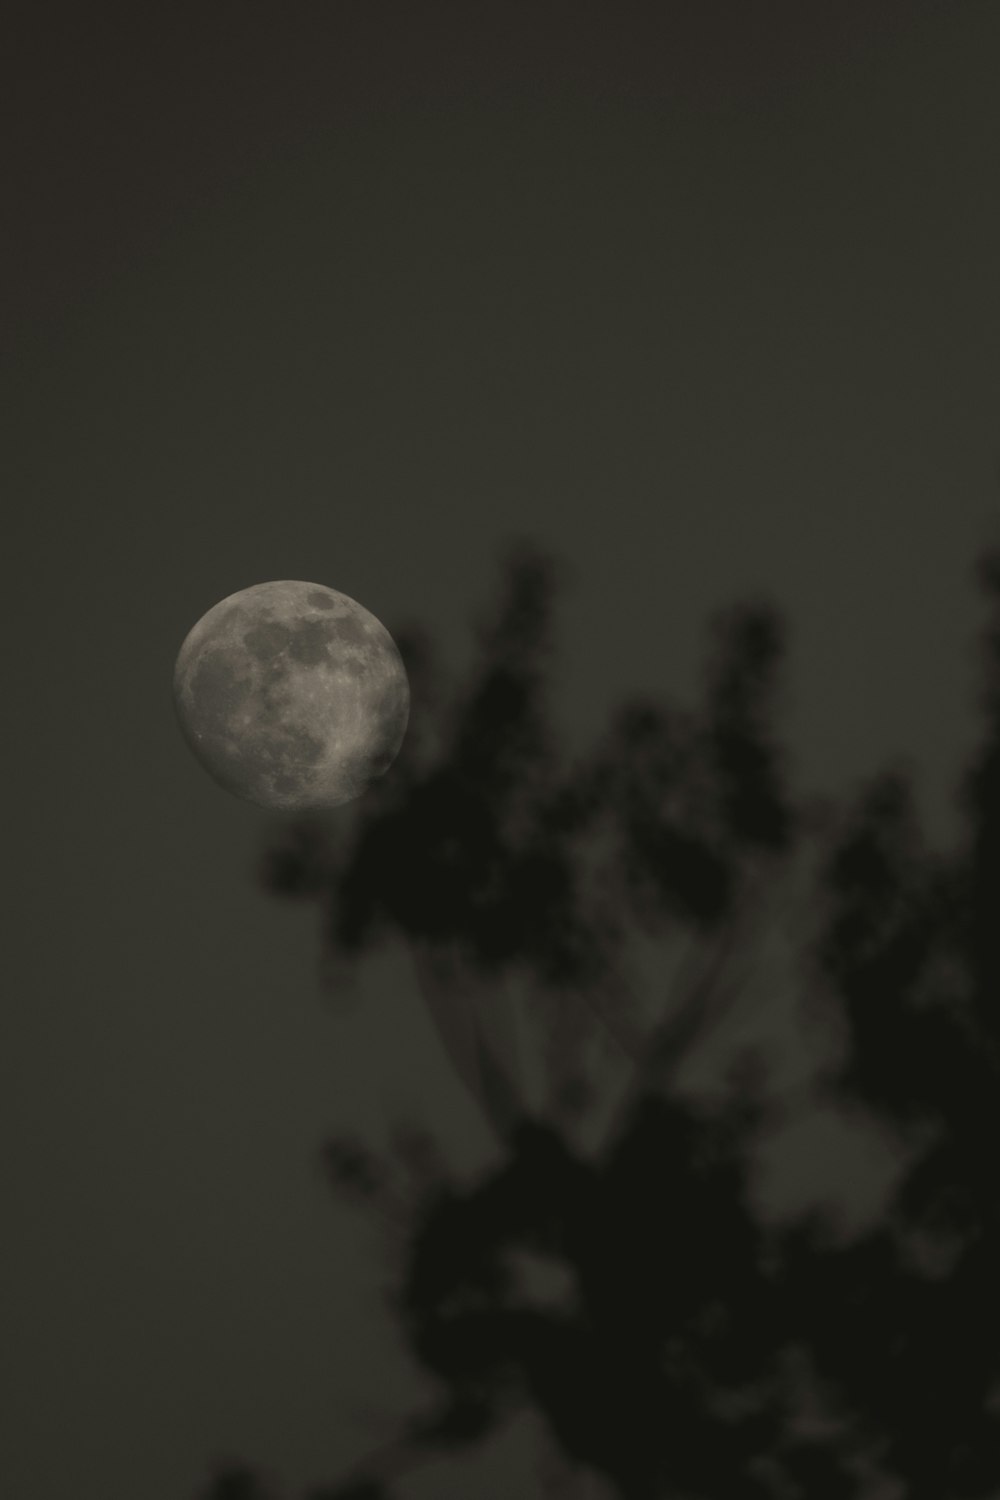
(708, 998)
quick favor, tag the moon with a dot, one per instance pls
(292, 695)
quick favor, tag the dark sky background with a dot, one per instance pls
(702, 296)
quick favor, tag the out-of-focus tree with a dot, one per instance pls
(623, 1283)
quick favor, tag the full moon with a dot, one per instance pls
(292, 695)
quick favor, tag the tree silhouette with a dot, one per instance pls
(693, 1347)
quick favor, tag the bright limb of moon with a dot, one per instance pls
(292, 695)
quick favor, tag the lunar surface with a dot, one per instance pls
(292, 695)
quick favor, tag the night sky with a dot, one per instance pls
(702, 297)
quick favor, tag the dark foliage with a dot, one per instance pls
(236, 1484)
(693, 1348)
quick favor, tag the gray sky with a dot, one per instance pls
(701, 296)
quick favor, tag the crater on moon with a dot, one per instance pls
(292, 695)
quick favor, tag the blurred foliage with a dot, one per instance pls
(691, 1348)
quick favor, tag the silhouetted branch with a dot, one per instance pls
(673, 1338)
